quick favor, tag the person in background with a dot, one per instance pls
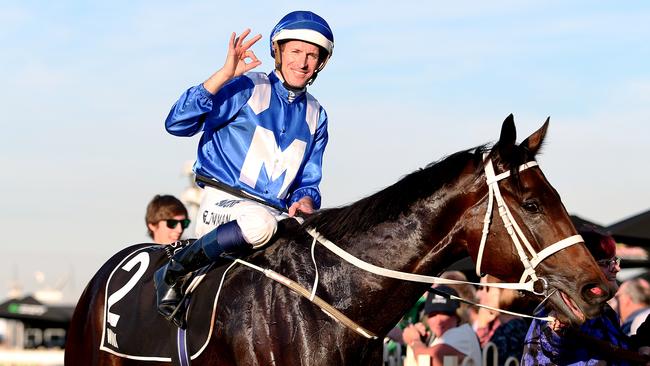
(599, 340)
(486, 321)
(447, 335)
(166, 218)
(633, 303)
(412, 316)
(466, 291)
(506, 331)
(415, 314)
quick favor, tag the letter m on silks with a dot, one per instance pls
(265, 152)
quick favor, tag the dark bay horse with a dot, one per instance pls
(423, 223)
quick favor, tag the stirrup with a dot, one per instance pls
(177, 317)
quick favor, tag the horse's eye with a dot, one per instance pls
(531, 206)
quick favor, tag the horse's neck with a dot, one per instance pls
(424, 241)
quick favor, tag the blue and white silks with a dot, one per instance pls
(253, 139)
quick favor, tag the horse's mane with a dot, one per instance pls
(391, 202)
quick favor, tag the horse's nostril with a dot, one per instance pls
(597, 291)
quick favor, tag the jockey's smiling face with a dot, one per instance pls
(299, 62)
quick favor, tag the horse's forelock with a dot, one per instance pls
(517, 156)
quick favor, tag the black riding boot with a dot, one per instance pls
(170, 279)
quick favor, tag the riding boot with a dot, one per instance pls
(170, 280)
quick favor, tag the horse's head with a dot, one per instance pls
(527, 209)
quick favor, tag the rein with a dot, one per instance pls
(380, 271)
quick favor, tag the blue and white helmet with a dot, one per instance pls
(303, 26)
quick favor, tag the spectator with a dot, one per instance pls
(412, 316)
(633, 299)
(166, 218)
(507, 332)
(415, 314)
(599, 340)
(447, 336)
(466, 291)
(487, 320)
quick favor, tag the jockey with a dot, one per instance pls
(261, 150)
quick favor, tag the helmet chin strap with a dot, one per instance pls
(313, 78)
(320, 67)
(286, 85)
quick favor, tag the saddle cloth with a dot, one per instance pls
(132, 327)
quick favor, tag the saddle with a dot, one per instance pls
(132, 326)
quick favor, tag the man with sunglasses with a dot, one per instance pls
(261, 148)
(166, 219)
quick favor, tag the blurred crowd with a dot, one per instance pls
(439, 325)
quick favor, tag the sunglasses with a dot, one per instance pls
(610, 263)
(172, 223)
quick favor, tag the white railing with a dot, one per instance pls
(395, 358)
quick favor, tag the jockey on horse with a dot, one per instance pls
(250, 121)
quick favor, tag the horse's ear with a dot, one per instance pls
(508, 136)
(534, 142)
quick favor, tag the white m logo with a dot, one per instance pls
(265, 152)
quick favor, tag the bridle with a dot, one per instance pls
(516, 235)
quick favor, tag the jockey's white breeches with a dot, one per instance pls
(258, 222)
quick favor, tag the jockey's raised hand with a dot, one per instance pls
(236, 61)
